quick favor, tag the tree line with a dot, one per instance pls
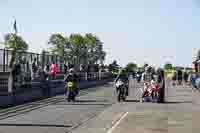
(75, 49)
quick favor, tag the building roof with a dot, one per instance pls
(179, 67)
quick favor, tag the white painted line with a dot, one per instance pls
(117, 123)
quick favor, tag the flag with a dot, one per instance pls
(15, 27)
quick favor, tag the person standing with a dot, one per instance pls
(180, 77)
(33, 69)
(47, 92)
(53, 70)
(186, 77)
(43, 81)
(174, 78)
(161, 82)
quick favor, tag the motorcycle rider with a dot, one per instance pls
(147, 77)
(124, 78)
(138, 76)
(72, 77)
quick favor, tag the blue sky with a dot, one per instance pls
(153, 31)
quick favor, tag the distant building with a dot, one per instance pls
(178, 68)
(189, 69)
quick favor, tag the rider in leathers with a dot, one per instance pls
(147, 76)
(124, 78)
(72, 77)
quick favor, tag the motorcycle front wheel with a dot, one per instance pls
(71, 96)
(119, 96)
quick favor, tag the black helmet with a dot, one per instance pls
(149, 69)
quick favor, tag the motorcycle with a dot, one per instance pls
(71, 92)
(147, 94)
(121, 93)
(197, 83)
(138, 77)
(155, 93)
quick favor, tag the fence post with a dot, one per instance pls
(10, 83)
(7, 59)
(99, 75)
(86, 78)
(4, 54)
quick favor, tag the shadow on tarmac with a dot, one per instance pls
(86, 102)
(177, 102)
(34, 125)
(134, 101)
(91, 101)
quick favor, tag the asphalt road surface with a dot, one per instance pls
(97, 111)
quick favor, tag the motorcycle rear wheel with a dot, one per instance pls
(119, 96)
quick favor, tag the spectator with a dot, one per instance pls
(47, 73)
(53, 70)
(174, 78)
(43, 76)
(40, 73)
(185, 75)
(161, 81)
(34, 69)
(180, 77)
(18, 72)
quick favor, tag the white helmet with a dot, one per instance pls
(71, 70)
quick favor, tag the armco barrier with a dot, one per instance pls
(41, 90)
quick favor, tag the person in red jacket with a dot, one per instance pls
(53, 70)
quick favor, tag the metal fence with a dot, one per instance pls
(27, 58)
(4, 59)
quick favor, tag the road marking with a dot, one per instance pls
(117, 123)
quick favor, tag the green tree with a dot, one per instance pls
(131, 67)
(100, 54)
(60, 46)
(88, 49)
(78, 48)
(13, 41)
(94, 49)
(168, 66)
(16, 43)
